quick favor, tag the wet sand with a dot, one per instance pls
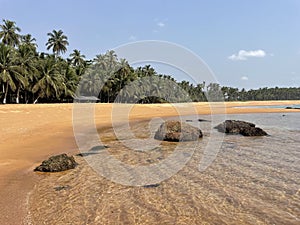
(31, 133)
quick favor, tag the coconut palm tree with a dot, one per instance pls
(49, 83)
(57, 41)
(76, 58)
(111, 60)
(90, 84)
(29, 41)
(26, 58)
(10, 72)
(9, 33)
(79, 62)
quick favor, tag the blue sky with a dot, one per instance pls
(246, 43)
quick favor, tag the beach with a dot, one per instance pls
(32, 133)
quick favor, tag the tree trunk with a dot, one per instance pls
(25, 97)
(35, 101)
(5, 95)
(18, 95)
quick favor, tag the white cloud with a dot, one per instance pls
(244, 55)
(132, 38)
(244, 78)
(160, 24)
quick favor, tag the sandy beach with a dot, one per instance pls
(31, 133)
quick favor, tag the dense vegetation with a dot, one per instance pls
(29, 76)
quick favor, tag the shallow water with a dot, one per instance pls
(251, 180)
(271, 106)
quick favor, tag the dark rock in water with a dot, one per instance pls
(289, 107)
(93, 151)
(151, 185)
(83, 154)
(240, 127)
(253, 131)
(176, 131)
(63, 187)
(99, 147)
(203, 120)
(149, 160)
(57, 163)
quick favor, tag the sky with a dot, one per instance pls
(245, 43)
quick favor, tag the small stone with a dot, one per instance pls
(63, 187)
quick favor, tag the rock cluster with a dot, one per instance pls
(240, 127)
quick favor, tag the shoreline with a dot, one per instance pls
(27, 129)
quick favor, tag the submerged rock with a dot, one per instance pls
(57, 163)
(93, 151)
(203, 120)
(63, 187)
(176, 131)
(151, 185)
(289, 107)
(240, 127)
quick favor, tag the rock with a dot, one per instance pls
(253, 131)
(63, 187)
(57, 163)
(84, 154)
(151, 185)
(99, 147)
(175, 131)
(93, 151)
(240, 127)
(203, 120)
(234, 126)
(289, 107)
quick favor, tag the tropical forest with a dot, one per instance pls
(28, 76)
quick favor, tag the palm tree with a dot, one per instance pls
(10, 72)
(76, 58)
(9, 34)
(90, 84)
(70, 82)
(148, 70)
(57, 41)
(214, 92)
(25, 60)
(50, 82)
(78, 61)
(112, 60)
(28, 40)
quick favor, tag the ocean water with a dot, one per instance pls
(271, 106)
(248, 180)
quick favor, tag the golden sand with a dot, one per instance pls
(31, 133)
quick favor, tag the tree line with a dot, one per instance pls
(30, 76)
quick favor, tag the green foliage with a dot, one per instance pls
(9, 33)
(57, 41)
(29, 76)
